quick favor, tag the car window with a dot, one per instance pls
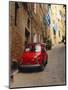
(27, 49)
(37, 48)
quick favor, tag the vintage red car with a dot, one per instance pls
(34, 55)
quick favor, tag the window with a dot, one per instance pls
(41, 6)
(59, 33)
(49, 6)
(28, 23)
(54, 31)
(35, 8)
(16, 9)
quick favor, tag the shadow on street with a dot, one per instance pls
(30, 70)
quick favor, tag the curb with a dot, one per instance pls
(12, 75)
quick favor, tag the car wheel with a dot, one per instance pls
(46, 62)
(14, 65)
(20, 69)
(42, 66)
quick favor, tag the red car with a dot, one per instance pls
(34, 55)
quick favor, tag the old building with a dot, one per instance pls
(26, 25)
(38, 26)
(57, 15)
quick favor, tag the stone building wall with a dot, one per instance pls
(25, 26)
(56, 17)
(15, 37)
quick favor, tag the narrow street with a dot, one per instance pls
(54, 73)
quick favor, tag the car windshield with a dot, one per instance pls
(35, 48)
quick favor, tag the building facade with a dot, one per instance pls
(25, 25)
(57, 15)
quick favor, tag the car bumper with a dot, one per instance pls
(30, 66)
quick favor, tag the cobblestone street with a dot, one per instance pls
(54, 73)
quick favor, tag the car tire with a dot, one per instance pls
(20, 69)
(42, 66)
(14, 65)
(46, 62)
